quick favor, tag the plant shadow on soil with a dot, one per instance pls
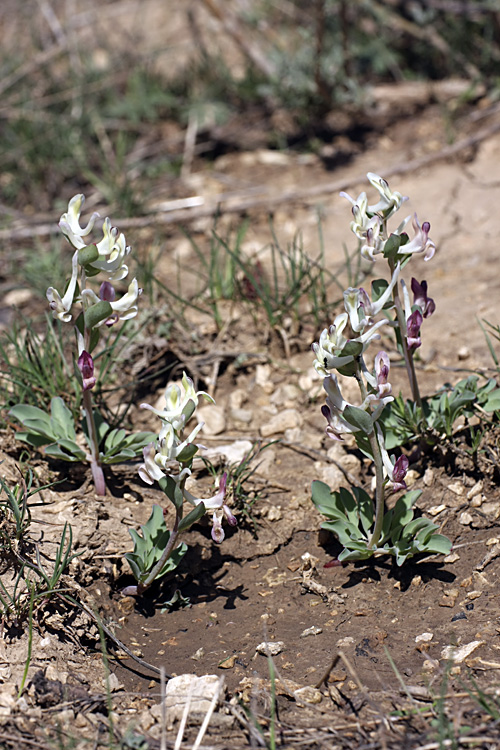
(237, 603)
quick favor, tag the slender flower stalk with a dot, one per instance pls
(378, 464)
(407, 352)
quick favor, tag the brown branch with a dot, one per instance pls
(174, 211)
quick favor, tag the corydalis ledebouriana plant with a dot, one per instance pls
(91, 311)
(172, 446)
(168, 461)
(370, 225)
(362, 529)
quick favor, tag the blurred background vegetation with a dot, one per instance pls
(117, 94)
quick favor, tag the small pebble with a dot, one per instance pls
(313, 630)
(475, 490)
(460, 653)
(214, 419)
(459, 616)
(474, 595)
(424, 637)
(463, 353)
(308, 695)
(428, 477)
(270, 648)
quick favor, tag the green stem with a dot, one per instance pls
(407, 354)
(379, 470)
(142, 586)
(95, 465)
(379, 490)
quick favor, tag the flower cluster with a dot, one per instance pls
(172, 454)
(105, 256)
(370, 223)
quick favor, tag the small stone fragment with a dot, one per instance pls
(313, 630)
(436, 509)
(459, 653)
(476, 490)
(465, 518)
(308, 695)
(491, 509)
(463, 353)
(459, 616)
(229, 662)
(284, 420)
(274, 513)
(411, 477)
(112, 683)
(270, 648)
(234, 453)
(473, 595)
(198, 654)
(452, 558)
(457, 488)
(449, 598)
(214, 419)
(17, 297)
(263, 378)
(424, 637)
(429, 664)
(345, 642)
(428, 477)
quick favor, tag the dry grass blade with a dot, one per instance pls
(208, 715)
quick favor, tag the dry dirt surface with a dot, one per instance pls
(361, 651)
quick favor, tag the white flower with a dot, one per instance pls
(394, 471)
(361, 309)
(218, 505)
(70, 222)
(112, 252)
(390, 201)
(373, 243)
(170, 447)
(123, 308)
(126, 307)
(362, 220)
(61, 307)
(332, 410)
(421, 242)
(179, 406)
(331, 342)
(149, 471)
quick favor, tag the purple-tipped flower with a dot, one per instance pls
(382, 367)
(86, 366)
(421, 242)
(399, 472)
(420, 298)
(413, 325)
(218, 505)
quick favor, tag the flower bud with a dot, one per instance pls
(413, 325)
(107, 292)
(86, 366)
